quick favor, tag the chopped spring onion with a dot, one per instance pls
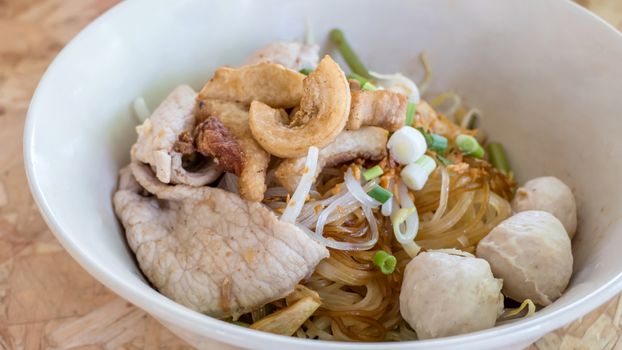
(306, 71)
(436, 142)
(380, 194)
(241, 324)
(415, 175)
(385, 261)
(373, 172)
(406, 145)
(469, 146)
(498, 158)
(141, 111)
(410, 113)
(294, 206)
(398, 83)
(348, 55)
(355, 188)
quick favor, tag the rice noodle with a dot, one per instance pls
(354, 292)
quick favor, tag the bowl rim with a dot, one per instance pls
(165, 309)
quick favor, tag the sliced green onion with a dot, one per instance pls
(351, 58)
(406, 145)
(469, 146)
(410, 113)
(498, 158)
(435, 142)
(415, 175)
(241, 324)
(373, 173)
(385, 261)
(380, 194)
(306, 71)
(426, 163)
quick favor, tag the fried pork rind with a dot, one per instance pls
(323, 113)
(270, 83)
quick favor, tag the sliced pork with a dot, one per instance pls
(208, 249)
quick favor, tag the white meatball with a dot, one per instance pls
(548, 194)
(444, 295)
(531, 252)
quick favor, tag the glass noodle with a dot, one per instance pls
(359, 303)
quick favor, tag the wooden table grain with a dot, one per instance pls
(47, 301)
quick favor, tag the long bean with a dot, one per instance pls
(348, 54)
(498, 158)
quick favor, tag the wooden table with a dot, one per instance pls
(46, 299)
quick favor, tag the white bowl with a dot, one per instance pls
(545, 73)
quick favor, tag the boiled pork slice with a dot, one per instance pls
(209, 249)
